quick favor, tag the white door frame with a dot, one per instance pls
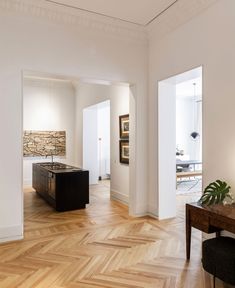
(167, 142)
(132, 135)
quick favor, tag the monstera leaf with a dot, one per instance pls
(215, 193)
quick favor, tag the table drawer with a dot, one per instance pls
(222, 224)
(200, 221)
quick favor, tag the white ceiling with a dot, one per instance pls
(184, 83)
(186, 89)
(136, 11)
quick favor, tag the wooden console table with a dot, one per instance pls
(209, 220)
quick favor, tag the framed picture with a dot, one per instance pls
(124, 151)
(124, 126)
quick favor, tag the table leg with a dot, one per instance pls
(188, 233)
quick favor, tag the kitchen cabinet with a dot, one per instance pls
(62, 186)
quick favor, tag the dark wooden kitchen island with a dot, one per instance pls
(64, 187)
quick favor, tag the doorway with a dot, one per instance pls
(189, 136)
(100, 108)
(179, 138)
(55, 103)
(96, 141)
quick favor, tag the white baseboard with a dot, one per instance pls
(140, 210)
(11, 233)
(10, 239)
(27, 182)
(152, 211)
(152, 215)
(144, 214)
(105, 177)
(146, 211)
(116, 195)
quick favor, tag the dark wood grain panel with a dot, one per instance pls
(64, 190)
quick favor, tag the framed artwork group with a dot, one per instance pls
(124, 139)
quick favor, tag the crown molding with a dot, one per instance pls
(78, 19)
(180, 13)
(47, 82)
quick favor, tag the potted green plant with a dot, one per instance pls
(215, 193)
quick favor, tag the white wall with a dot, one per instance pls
(189, 114)
(96, 140)
(49, 40)
(48, 105)
(166, 149)
(88, 94)
(104, 134)
(202, 41)
(185, 125)
(119, 172)
(186, 108)
(90, 143)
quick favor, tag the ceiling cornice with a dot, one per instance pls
(180, 13)
(75, 18)
(56, 2)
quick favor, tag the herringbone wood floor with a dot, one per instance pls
(100, 247)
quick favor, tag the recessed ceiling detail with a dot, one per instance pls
(141, 12)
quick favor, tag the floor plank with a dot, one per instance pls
(101, 246)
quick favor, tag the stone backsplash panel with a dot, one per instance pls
(44, 143)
